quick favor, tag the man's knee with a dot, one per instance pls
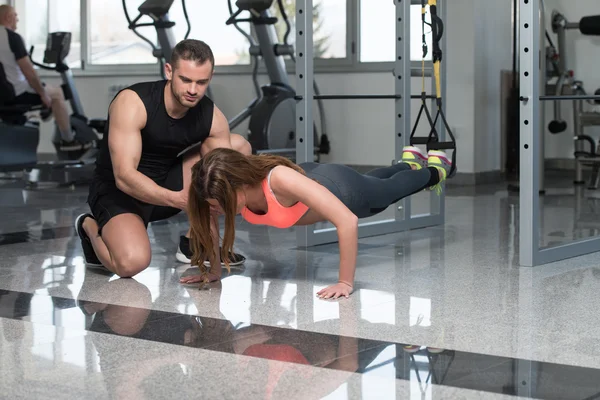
(131, 262)
(239, 143)
(55, 93)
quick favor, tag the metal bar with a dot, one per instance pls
(84, 33)
(438, 203)
(529, 200)
(74, 99)
(542, 116)
(166, 38)
(366, 96)
(572, 25)
(375, 228)
(569, 250)
(570, 97)
(279, 151)
(402, 76)
(267, 37)
(304, 88)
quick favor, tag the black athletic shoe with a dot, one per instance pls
(89, 254)
(184, 254)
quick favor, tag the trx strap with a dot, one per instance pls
(432, 141)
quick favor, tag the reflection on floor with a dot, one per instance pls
(442, 312)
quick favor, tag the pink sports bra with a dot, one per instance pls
(277, 215)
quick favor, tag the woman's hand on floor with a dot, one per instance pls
(206, 277)
(335, 291)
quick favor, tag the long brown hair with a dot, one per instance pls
(218, 176)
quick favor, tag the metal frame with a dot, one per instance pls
(403, 220)
(530, 251)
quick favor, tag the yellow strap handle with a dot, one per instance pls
(436, 65)
(438, 85)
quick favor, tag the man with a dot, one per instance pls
(27, 87)
(141, 172)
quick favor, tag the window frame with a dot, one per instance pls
(349, 64)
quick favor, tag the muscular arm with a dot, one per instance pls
(220, 136)
(294, 185)
(127, 117)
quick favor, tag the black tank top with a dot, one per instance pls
(163, 137)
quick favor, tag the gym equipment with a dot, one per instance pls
(512, 162)
(401, 217)
(568, 88)
(272, 113)
(432, 141)
(532, 251)
(272, 125)
(22, 133)
(158, 11)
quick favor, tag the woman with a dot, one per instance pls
(271, 190)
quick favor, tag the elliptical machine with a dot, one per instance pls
(19, 134)
(74, 166)
(272, 113)
(272, 125)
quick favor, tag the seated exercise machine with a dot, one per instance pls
(20, 134)
(564, 84)
(272, 113)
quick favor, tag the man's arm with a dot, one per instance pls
(31, 76)
(17, 46)
(127, 118)
(220, 136)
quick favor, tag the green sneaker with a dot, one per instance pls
(439, 160)
(413, 156)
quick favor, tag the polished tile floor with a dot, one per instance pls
(438, 313)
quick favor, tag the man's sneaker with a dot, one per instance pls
(412, 155)
(89, 254)
(184, 254)
(439, 160)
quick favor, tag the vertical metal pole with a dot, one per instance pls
(439, 202)
(304, 88)
(542, 79)
(84, 32)
(529, 133)
(403, 88)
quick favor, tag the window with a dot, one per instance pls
(33, 25)
(329, 26)
(378, 32)
(207, 20)
(67, 18)
(37, 18)
(111, 42)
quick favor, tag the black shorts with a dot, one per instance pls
(28, 98)
(107, 201)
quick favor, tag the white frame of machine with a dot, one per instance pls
(403, 219)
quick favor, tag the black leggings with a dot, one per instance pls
(371, 193)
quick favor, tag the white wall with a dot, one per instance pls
(362, 132)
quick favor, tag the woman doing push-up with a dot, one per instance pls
(272, 190)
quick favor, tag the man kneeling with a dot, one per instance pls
(141, 172)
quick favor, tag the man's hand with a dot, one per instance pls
(180, 200)
(335, 291)
(46, 99)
